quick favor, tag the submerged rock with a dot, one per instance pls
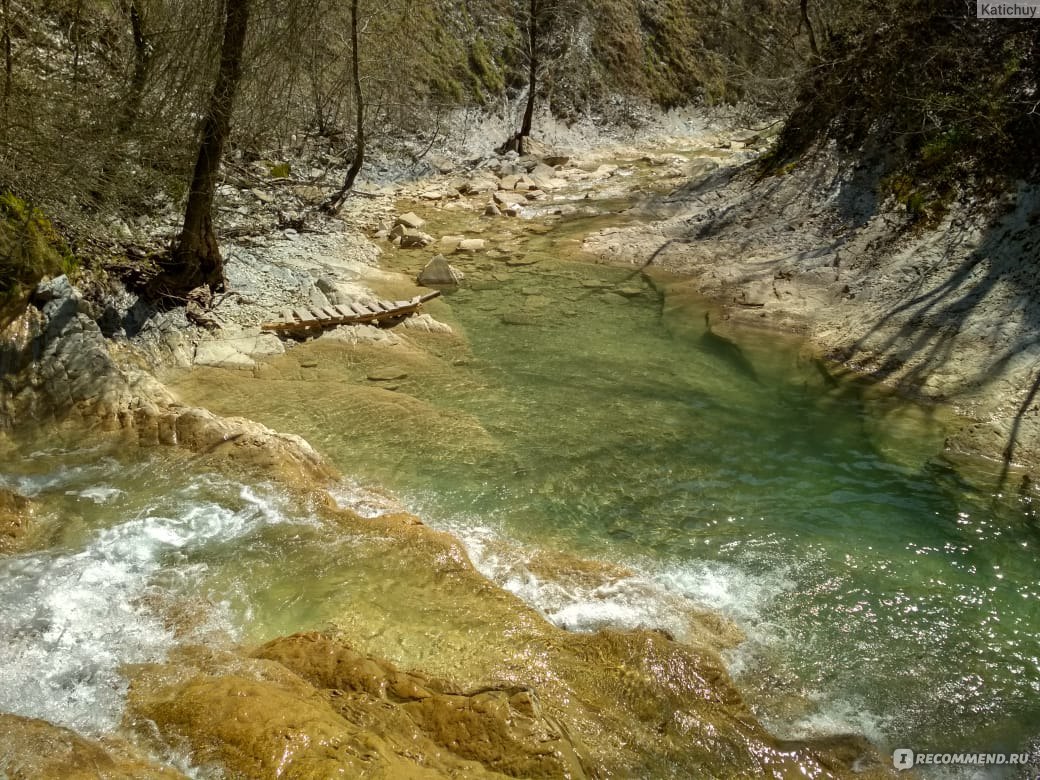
(15, 520)
(31, 748)
(309, 706)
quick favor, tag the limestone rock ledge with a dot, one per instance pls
(306, 706)
(309, 706)
(57, 366)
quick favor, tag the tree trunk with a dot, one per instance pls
(809, 28)
(130, 108)
(335, 203)
(142, 61)
(196, 257)
(532, 76)
(8, 67)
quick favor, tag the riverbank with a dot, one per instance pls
(946, 314)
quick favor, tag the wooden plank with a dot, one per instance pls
(361, 310)
(403, 304)
(287, 315)
(329, 312)
(385, 305)
(316, 311)
(303, 316)
(346, 313)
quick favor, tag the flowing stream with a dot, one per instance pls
(589, 413)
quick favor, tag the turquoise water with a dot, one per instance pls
(880, 591)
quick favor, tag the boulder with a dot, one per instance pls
(471, 245)
(415, 239)
(309, 706)
(509, 198)
(508, 182)
(491, 210)
(439, 273)
(479, 185)
(410, 220)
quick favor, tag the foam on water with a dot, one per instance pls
(70, 618)
(99, 494)
(366, 502)
(656, 595)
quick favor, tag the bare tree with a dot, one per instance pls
(547, 27)
(335, 203)
(195, 259)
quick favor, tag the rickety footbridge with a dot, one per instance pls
(307, 320)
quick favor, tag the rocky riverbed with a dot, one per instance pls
(530, 699)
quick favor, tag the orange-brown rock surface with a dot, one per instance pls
(33, 749)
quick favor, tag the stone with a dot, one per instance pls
(504, 198)
(309, 706)
(471, 245)
(508, 182)
(309, 194)
(439, 273)
(386, 374)
(555, 160)
(409, 220)
(630, 292)
(448, 244)
(262, 196)
(415, 239)
(519, 262)
(329, 289)
(479, 186)
(442, 164)
(54, 289)
(491, 210)
(520, 318)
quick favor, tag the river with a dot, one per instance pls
(586, 411)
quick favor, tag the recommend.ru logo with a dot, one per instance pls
(905, 758)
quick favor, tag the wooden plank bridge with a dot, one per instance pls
(307, 320)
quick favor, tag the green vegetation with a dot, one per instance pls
(941, 101)
(30, 248)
